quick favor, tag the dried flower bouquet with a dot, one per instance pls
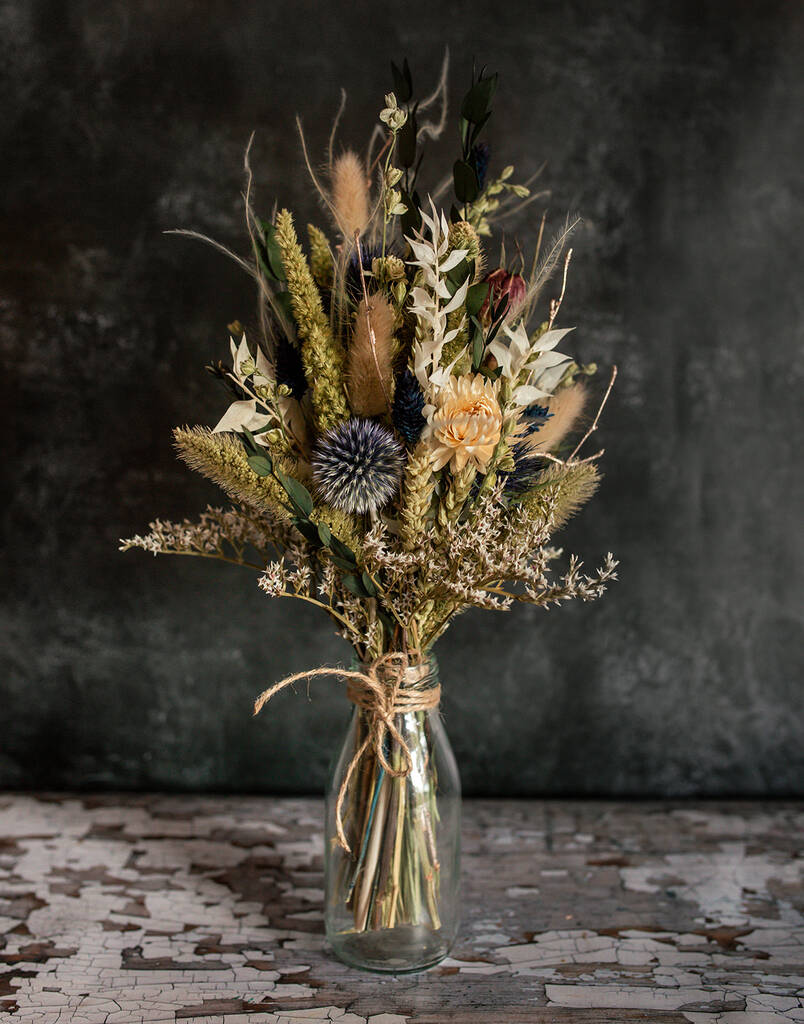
(396, 448)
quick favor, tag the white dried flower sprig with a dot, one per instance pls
(533, 367)
(226, 535)
(392, 114)
(434, 260)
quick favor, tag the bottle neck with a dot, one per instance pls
(416, 674)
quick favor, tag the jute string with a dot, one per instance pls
(379, 690)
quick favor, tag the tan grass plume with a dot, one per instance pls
(566, 405)
(369, 371)
(350, 194)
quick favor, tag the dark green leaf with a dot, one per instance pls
(411, 220)
(477, 351)
(477, 129)
(475, 297)
(495, 329)
(298, 493)
(261, 464)
(342, 550)
(477, 102)
(285, 304)
(324, 534)
(249, 443)
(370, 586)
(500, 307)
(354, 585)
(465, 179)
(458, 275)
(386, 620)
(403, 81)
(455, 214)
(307, 530)
(343, 563)
(273, 252)
(406, 141)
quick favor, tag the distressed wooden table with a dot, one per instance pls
(208, 911)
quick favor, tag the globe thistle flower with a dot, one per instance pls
(357, 466)
(353, 277)
(407, 409)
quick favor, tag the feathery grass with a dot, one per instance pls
(322, 356)
(369, 372)
(350, 194)
(222, 459)
(566, 406)
(321, 262)
(560, 491)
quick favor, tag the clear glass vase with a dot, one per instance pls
(392, 902)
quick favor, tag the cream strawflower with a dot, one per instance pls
(464, 423)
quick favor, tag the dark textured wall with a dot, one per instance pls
(676, 129)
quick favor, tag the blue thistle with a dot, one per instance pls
(407, 408)
(479, 159)
(537, 416)
(523, 475)
(354, 284)
(527, 465)
(357, 465)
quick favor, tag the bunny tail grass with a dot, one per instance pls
(369, 371)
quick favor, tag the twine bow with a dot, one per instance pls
(378, 690)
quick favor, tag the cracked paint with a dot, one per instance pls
(209, 911)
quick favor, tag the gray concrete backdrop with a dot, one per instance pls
(674, 128)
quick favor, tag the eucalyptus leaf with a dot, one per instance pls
(354, 585)
(477, 129)
(403, 81)
(342, 550)
(272, 250)
(261, 464)
(477, 351)
(249, 443)
(369, 584)
(465, 181)
(307, 530)
(475, 297)
(324, 534)
(298, 493)
(477, 101)
(406, 141)
(344, 564)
